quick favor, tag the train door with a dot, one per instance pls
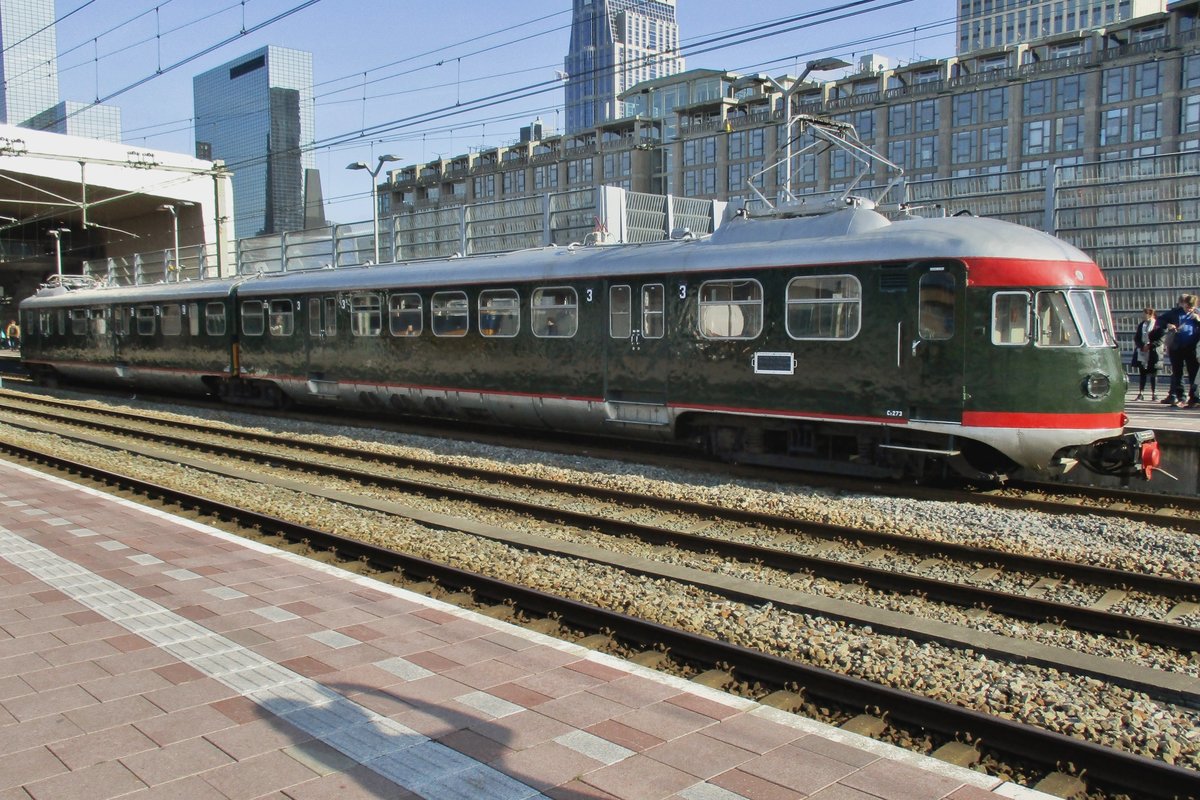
(931, 343)
(322, 336)
(636, 354)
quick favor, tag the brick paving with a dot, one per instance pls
(147, 656)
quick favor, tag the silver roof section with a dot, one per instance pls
(855, 235)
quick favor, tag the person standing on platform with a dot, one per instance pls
(1145, 355)
(1182, 324)
(13, 333)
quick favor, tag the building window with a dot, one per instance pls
(579, 171)
(1114, 126)
(1069, 93)
(925, 115)
(964, 108)
(737, 144)
(964, 147)
(545, 176)
(925, 153)
(1114, 85)
(1035, 97)
(1191, 72)
(1148, 79)
(1190, 114)
(995, 105)
(994, 142)
(1068, 133)
(1147, 122)
(1035, 138)
(900, 153)
(899, 120)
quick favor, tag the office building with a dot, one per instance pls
(614, 45)
(29, 75)
(255, 113)
(29, 59)
(997, 23)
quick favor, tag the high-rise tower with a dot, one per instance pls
(615, 44)
(29, 62)
(256, 114)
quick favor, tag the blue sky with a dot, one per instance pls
(410, 58)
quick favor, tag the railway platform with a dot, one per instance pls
(145, 655)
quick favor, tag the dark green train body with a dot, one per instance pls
(842, 341)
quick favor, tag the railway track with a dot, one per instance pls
(886, 562)
(1008, 745)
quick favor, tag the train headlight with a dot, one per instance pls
(1097, 385)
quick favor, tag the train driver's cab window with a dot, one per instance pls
(145, 320)
(1010, 318)
(404, 315)
(731, 309)
(620, 312)
(448, 314)
(1093, 317)
(79, 318)
(172, 320)
(935, 316)
(824, 307)
(554, 312)
(252, 318)
(366, 314)
(214, 319)
(499, 312)
(1055, 325)
(282, 320)
(654, 306)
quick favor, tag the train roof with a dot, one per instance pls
(852, 236)
(150, 292)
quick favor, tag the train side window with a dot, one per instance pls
(79, 323)
(824, 307)
(731, 309)
(448, 314)
(98, 321)
(620, 312)
(405, 316)
(45, 323)
(935, 316)
(654, 305)
(314, 317)
(172, 320)
(1056, 326)
(366, 314)
(554, 312)
(499, 312)
(252, 318)
(145, 320)
(331, 323)
(283, 321)
(1010, 318)
(214, 319)
(121, 321)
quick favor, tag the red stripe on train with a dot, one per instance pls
(1019, 272)
(1016, 419)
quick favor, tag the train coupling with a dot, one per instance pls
(1132, 453)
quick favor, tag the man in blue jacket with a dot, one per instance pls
(1182, 324)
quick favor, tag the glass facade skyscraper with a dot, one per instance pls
(615, 44)
(29, 62)
(256, 114)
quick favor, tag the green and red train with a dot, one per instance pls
(843, 342)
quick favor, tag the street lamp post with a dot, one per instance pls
(374, 195)
(57, 233)
(175, 226)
